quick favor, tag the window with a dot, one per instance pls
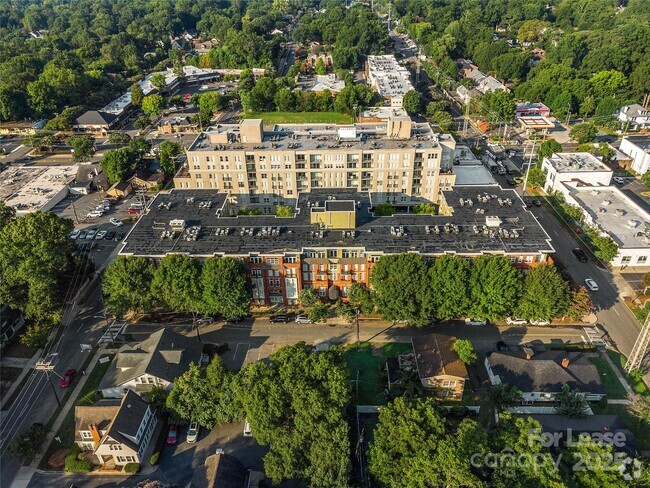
(449, 384)
(642, 259)
(626, 259)
(86, 434)
(272, 260)
(331, 253)
(115, 447)
(256, 273)
(322, 291)
(529, 259)
(290, 259)
(445, 393)
(255, 260)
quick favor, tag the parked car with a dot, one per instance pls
(83, 234)
(116, 222)
(193, 432)
(279, 319)
(516, 321)
(580, 255)
(110, 235)
(502, 346)
(100, 235)
(303, 319)
(591, 284)
(247, 429)
(537, 203)
(511, 182)
(470, 321)
(618, 180)
(131, 211)
(68, 377)
(540, 322)
(233, 320)
(172, 434)
(205, 320)
(91, 234)
(102, 208)
(94, 214)
(204, 87)
(119, 236)
(74, 234)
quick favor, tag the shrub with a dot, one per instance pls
(132, 468)
(74, 463)
(155, 457)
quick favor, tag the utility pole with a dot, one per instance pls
(47, 367)
(568, 116)
(530, 162)
(466, 120)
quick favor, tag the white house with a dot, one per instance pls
(118, 433)
(540, 377)
(637, 148)
(157, 361)
(634, 117)
(583, 167)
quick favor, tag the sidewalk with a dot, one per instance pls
(26, 364)
(25, 473)
(620, 377)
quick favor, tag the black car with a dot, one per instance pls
(580, 255)
(109, 235)
(528, 203)
(119, 236)
(233, 320)
(510, 171)
(537, 203)
(283, 319)
(511, 182)
(502, 346)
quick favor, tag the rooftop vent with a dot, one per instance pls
(607, 202)
(177, 224)
(492, 221)
(633, 224)
(620, 212)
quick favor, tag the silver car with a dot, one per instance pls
(193, 432)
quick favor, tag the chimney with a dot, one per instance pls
(529, 353)
(95, 433)
(565, 363)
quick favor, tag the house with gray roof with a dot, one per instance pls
(540, 377)
(156, 361)
(117, 432)
(95, 121)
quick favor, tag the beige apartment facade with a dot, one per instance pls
(399, 161)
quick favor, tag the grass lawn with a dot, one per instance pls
(88, 396)
(613, 386)
(271, 118)
(368, 362)
(635, 382)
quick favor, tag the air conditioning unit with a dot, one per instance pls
(492, 221)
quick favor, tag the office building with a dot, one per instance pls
(388, 78)
(580, 167)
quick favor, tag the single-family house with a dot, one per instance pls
(147, 180)
(120, 189)
(634, 117)
(118, 432)
(156, 361)
(439, 366)
(540, 377)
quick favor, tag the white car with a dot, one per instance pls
(591, 284)
(95, 214)
(516, 321)
(205, 320)
(618, 180)
(193, 432)
(302, 319)
(91, 234)
(116, 222)
(247, 429)
(540, 322)
(100, 235)
(203, 87)
(74, 234)
(477, 322)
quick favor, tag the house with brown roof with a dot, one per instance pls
(439, 366)
(118, 432)
(146, 180)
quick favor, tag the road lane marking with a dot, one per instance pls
(613, 308)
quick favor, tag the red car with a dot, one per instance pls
(67, 378)
(131, 211)
(172, 435)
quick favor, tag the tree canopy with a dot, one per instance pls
(126, 285)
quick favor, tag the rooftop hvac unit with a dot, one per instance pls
(619, 212)
(633, 224)
(607, 202)
(177, 224)
(492, 221)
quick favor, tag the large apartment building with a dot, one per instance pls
(398, 160)
(334, 238)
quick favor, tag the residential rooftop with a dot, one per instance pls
(478, 220)
(32, 188)
(573, 162)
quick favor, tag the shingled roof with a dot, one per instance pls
(435, 356)
(222, 471)
(95, 117)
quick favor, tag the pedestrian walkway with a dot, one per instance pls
(27, 365)
(618, 374)
(25, 473)
(618, 402)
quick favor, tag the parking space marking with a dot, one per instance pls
(246, 344)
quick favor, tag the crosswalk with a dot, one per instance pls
(111, 332)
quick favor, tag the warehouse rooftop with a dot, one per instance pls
(572, 162)
(197, 222)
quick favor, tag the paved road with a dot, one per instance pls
(36, 402)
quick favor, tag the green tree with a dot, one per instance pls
(139, 146)
(609, 83)
(412, 448)
(82, 147)
(126, 285)
(412, 102)
(308, 297)
(640, 408)
(319, 312)
(295, 403)
(605, 247)
(384, 210)
(142, 123)
(536, 177)
(360, 297)
(425, 208)
(65, 119)
(498, 106)
(26, 445)
(603, 469)
(444, 120)
(320, 67)
(137, 95)
(168, 151)
(465, 351)
(449, 287)
(495, 286)
(283, 211)
(571, 403)
(35, 264)
(36, 335)
(226, 289)
(205, 395)
(503, 396)
(176, 283)
(119, 138)
(347, 311)
(118, 164)
(157, 398)
(547, 148)
(546, 294)
(158, 81)
(580, 304)
(152, 104)
(7, 214)
(399, 283)
(583, 133)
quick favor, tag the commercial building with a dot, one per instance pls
(580, 167)
(388, 78)
(334, 239)
(638, 149)
(532, 109)
(399, 160)
(33, 188)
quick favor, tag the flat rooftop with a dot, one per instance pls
(309, 137)
(29, 188)
(207, 232)
(574, 162)
(388, 77)
(615, 213)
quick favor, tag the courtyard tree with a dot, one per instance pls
(495, 286)
(152, 104)
(400, 287)
(449, 285)
(571, 403)
(226, 288)
(126, 285)
(465, 351)
(425, 208)
(295, 403)
(546, 294)
(176, 283)
(283, 211)
(82, 147)
(383, 210)
(412, 102)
